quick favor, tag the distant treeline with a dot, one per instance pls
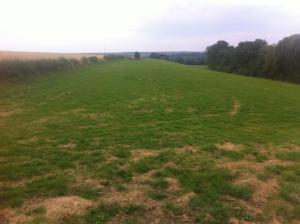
(109, 57)
(256, 58)
(182, 58)
(17, 70)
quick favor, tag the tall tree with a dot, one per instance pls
(215, 54)
(137, 55)
(257, 58)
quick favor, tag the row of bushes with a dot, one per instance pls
(17, 70)
(257, 58)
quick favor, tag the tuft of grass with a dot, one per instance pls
(134, 209)
(290, 156)
(148, 163)
(242, 192)
(102, 213)
(263, 176)
(157, 195)
(122, 153)
(160, 184)
(176, 210)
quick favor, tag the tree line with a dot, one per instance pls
(187, 58)
(257, 58)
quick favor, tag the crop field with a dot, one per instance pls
(149, 141)
(19, 55)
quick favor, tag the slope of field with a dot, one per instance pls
(149, 142)
(19, 55)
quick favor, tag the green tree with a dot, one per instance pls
(215, 54)
(137, 55)
(287, 58)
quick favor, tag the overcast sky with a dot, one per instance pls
(141, 25)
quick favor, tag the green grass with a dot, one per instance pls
(88, 122)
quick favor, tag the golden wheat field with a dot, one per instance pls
(19, 55)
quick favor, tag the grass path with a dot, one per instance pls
(149, 141)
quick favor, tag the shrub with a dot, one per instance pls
(75, 62)
(84, 60)
(92, 59)
(17, 70)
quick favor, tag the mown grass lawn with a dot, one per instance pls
(149, 142)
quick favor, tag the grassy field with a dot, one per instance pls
(149, 142)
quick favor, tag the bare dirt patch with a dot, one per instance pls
(184, 199)
(261, 190)
(187, 149)
(190, 110)
(154, 215)
(42, 120)
(174, 185)
(87, 182)
(235, 108)
(241, 165)
(143, 178)
(69, 146)
(136, 193)
(6, 114)
(59, 207)
(229, 146)
(264, 192)
(32, 140)
(271, 150)
(169, 110)
(139, 154)
(111, 158)
(10, 216)
(236, 221)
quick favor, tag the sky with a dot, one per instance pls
(142, 25)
